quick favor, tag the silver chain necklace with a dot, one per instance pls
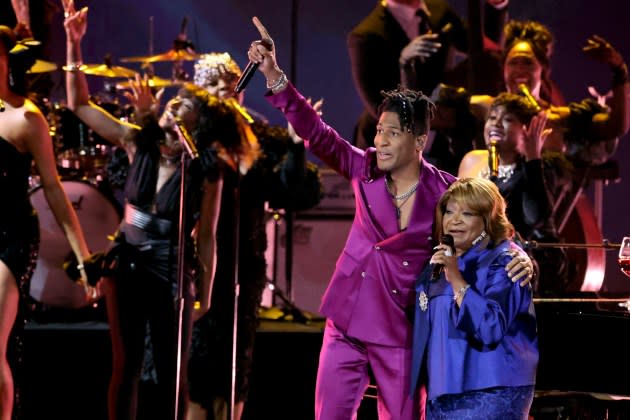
(404, 195)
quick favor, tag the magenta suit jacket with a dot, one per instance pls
(371, 294)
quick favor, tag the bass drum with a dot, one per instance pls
(98, 217)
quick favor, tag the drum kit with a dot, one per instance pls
(82, 159)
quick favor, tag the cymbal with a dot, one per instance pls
(154, 82)
(172, 55)
(105, 71)
(42, 66)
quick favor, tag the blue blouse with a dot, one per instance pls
(489, 341)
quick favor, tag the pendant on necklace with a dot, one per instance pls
(398, 213)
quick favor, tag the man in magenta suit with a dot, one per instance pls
(369, 303)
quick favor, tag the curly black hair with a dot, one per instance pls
(220, 122)
(415, 110)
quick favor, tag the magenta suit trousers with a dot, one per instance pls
(342, 378)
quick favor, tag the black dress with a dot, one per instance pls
(143, 272)
(280, 177)
(19, 241)
(19, 231)
(529, 193)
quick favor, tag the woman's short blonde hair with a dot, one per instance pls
(482, 197)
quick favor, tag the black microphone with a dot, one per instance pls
(249, 71)
(437, 268)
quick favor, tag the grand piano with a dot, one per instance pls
(584, 369)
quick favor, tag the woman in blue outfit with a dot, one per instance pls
(474, 342)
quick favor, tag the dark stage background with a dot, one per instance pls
(316, 31)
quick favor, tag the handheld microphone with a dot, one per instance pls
(493, 158)
(189, 143)
(438, 268)
(249, 71)
(524, 90)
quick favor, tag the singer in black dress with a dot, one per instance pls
(527, 178)
(24, 140)
(141, 267)
(282, 178)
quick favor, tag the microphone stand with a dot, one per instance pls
(190, 150)
(535, 244)
(179, 300)
(236, 250)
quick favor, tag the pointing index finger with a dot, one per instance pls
(261, 29)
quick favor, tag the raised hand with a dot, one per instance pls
(75, 22)
(535, 135)
(602, 51)
(422, 47)
(317, 106)
(141, 96)
(259, 52)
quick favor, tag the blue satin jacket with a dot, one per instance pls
(489, 341)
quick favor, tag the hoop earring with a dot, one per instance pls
(483, 235)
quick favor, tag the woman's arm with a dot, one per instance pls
(617, 122)
(206, 241)
(536, 202)
(108, 127)
(39, 144)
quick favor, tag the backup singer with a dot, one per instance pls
(142, 264)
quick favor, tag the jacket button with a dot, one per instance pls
(395, 291)
(378, 248)
(405, 263)
(363, 274)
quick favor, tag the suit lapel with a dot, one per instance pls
(380, 206)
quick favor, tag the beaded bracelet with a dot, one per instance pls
(461, 292)
(278, 84)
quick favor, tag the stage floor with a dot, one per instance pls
(66, 366)
(65, 370)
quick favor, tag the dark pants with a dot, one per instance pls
(132, 302)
